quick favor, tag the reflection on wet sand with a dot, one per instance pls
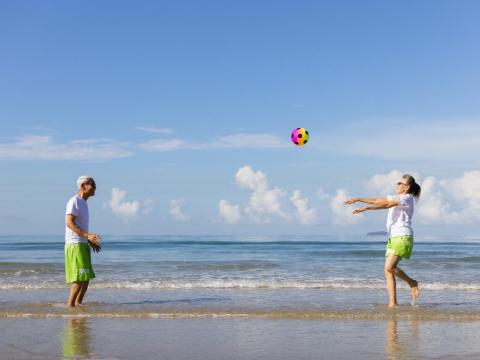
(76, 338)
(402, 341)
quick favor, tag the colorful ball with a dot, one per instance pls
(300, 136)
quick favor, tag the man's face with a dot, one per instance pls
(90, 188)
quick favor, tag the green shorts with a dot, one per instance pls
(78, 262)
(401, 246)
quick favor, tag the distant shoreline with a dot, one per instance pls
(377, 233)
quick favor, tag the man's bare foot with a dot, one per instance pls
(71, 305)
(392, 305)
(414, 288)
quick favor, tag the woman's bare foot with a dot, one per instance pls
(393, 305)
(414, 288)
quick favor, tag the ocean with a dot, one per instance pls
(237, 297)
(274, 276)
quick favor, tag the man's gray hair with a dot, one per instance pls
(83, 180)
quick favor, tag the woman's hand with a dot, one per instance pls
(351, 201)
(358, 211)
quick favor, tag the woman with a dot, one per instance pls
(400, 233)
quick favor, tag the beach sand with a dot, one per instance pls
(230, 337)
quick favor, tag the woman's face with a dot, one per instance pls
(402, 187)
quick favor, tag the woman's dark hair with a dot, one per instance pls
(415, 189)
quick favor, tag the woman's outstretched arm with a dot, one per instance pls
(381, 206)
(374, 201)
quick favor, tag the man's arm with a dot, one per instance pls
(93, 239)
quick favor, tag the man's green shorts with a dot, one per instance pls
(401, 246)
(78, 262)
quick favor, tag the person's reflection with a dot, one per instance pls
(403, 345)
(76, 337)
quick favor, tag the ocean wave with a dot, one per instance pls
(238, 284)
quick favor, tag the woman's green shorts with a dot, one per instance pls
(78, 262)
(401, 246)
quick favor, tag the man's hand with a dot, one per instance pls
(94, 241)
(358, 211)
(351, 201)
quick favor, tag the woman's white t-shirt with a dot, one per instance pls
(399, 220)
(78, 207)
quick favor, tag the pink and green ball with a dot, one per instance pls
(300, 136)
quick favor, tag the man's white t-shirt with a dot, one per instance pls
(78, 207)
(399, 218)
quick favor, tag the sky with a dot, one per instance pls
(182, 112)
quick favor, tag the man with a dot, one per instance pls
(78, 264)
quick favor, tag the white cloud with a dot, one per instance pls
(304, 215)
(438, 197)
(322, 195)
(447, 201)
(163, 145)
(155, 130)
(127, 211)
(263, 202)
(176, 211)
(432, 207)
(465, 188)
(342, 214)
(247, 179)
(44, 148)
(386, 184)
(231, 214)
(252, 141)
(148, 206)
(236, 141)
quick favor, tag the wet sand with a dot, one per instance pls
(236, 338)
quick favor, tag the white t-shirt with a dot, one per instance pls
(78, 207)
(399, 218)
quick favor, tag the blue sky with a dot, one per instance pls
(182, 112)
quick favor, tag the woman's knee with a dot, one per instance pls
(389, 270)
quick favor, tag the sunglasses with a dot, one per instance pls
(400, 183)
(93, 184)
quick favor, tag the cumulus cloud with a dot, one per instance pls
(322, 195)
(446, 201)
(342, 214)
(304, 215)
(263, 202)
(433, 208)
(231, 214)
(176, 210)
(236, 141)
(466, 188)
(439, 196)
(127, 211)
(385, 184)
(44, 148)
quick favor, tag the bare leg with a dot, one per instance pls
(82, 292)
(391, 284)
(74, 292)
(391, 267)
(412, 283)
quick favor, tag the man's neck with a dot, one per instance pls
(83, 195)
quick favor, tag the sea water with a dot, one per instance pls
(292, 277)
